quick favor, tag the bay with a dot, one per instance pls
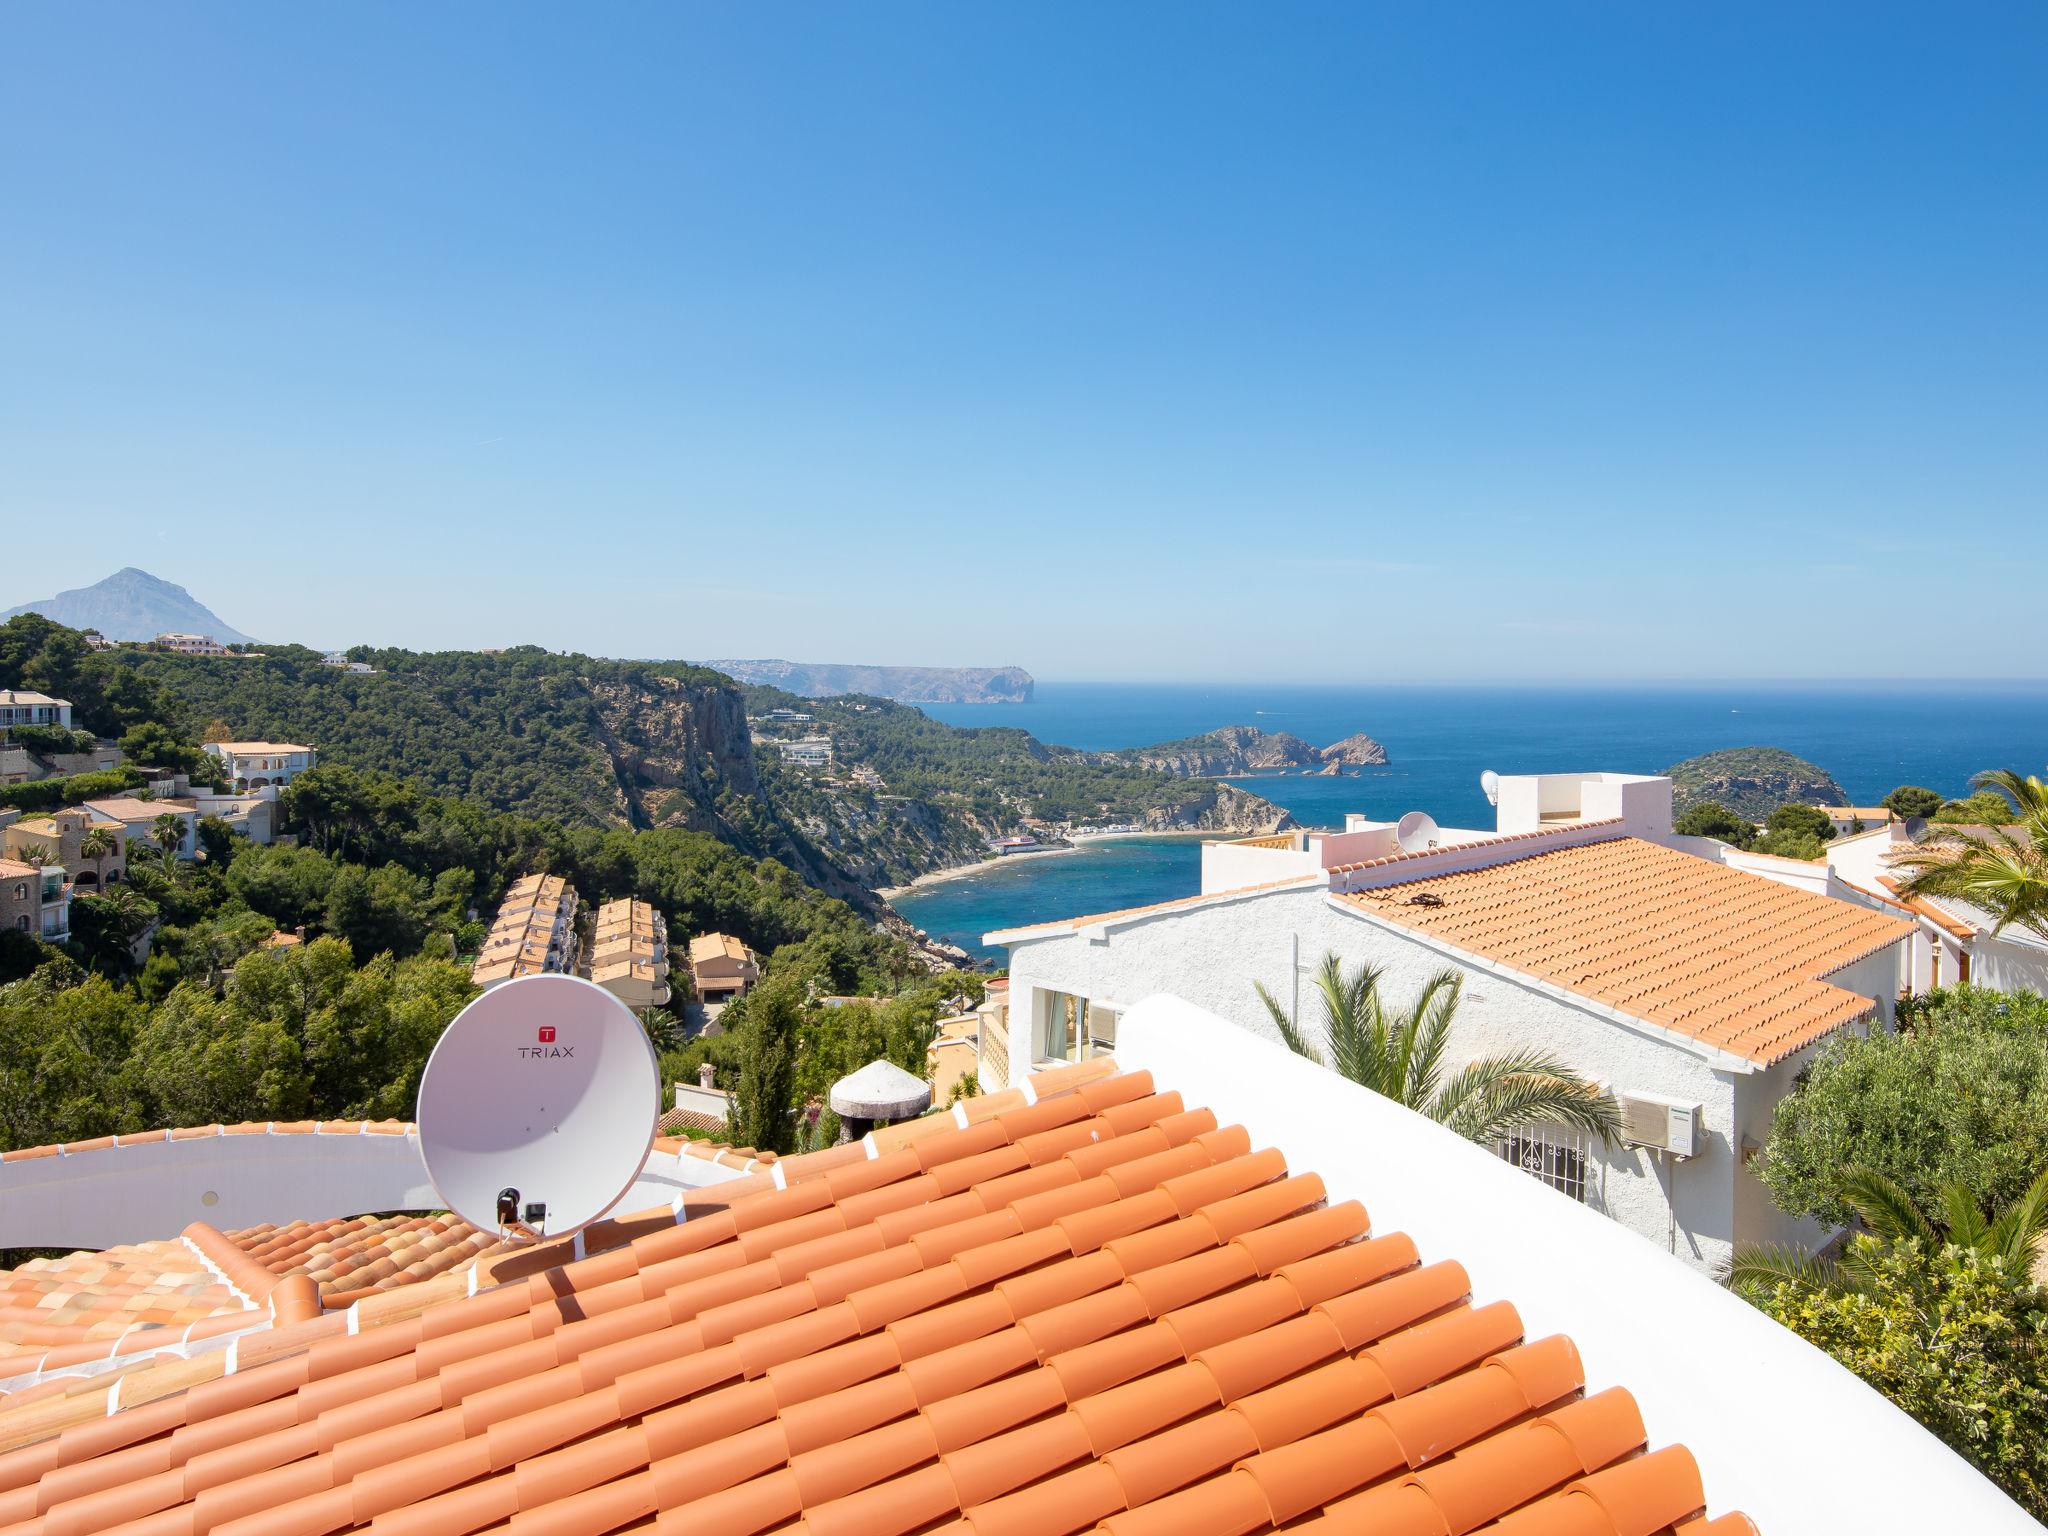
(1871, 737)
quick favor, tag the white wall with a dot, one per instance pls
(2006, 965)
(1212, 954)
(1780, 1431)
(1232, 866)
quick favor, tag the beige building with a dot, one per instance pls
(191, 645)
(58, 838)
(534, 933)
(629, 953)
(254, 765)
(721, 967)
(35, 901)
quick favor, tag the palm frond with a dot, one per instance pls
(1499, 1094)
(1769, 1265)
(2017, 1232)
(1885, 1206)
(1290, 1032)
(1426, 1028)
(1351, 1015)
(1962, 1216)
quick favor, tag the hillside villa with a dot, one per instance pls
(134, 820)
(21, 706)
(191, 645)
(1580, 923)
(35, 900)
(259, 765)
(721, 968)
(57, 838)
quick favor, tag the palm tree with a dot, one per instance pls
(1891, 1216)
(1400, 1055)
(2003, 871)
(168, 833)
(98, 844)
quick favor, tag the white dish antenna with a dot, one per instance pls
(538, 1105)
(1415, 832)
(1489, 785)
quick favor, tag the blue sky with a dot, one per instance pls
(1326, 343)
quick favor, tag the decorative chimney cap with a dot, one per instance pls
(705, 1074)
(881, 1090)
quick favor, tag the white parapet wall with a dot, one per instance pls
(1781, 1431)
(132, 1188)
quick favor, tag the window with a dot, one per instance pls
(1551, 1153)
(1071, 1028)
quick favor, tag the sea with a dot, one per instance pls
(1872, 737)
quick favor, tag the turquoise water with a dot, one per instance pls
(1097, 877)
(1870, 737)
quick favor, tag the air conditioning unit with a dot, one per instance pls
(1668, 1125)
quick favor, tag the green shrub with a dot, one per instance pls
(73, 789)
(1712, 819)
(1953, 1339)
(1801, 821)
(1960, 1094)
(1913, 800)
(49, 740)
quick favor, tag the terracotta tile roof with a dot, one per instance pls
(79, 1297)
(674, 1122)
(1076, 1306)
(1730, 959)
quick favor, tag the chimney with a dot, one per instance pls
(705, 1073)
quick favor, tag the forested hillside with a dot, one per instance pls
(906, 793)
(596, 743)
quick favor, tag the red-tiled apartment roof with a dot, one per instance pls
(1730, 959)
(1076, 1306)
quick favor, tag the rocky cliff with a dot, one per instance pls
(1240, 749)
(1222, 808)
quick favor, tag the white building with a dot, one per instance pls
(1955, 942)
(135, 820)
(1581, 925)
(807, 752)
(191, 645)
(255, 765)
(22, 706)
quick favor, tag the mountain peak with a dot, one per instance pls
(133, 604)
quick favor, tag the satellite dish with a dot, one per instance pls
(1915, 828)
(1489, 784)
(1415, 832)
(538, 1105)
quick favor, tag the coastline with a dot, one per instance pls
(1077, 844)
(960, 871)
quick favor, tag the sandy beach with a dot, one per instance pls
(1078, 843)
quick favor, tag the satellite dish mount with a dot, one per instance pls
(537, 1109)
(1416, 832)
